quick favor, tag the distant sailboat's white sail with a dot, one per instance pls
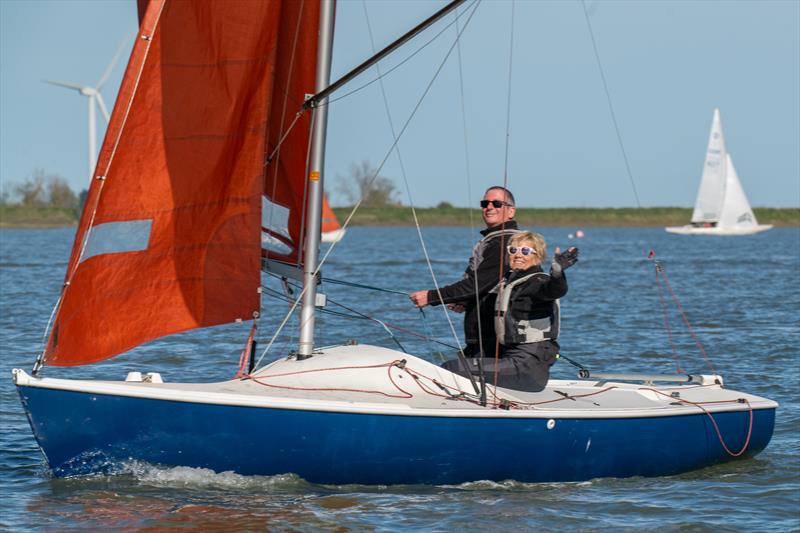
(721, 207)
(708, 206)
(736, 209)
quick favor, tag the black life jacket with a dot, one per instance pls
(510, 330)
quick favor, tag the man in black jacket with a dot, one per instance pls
(486, 267)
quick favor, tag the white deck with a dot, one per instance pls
(363, 379)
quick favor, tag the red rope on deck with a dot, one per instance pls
(403, 392)
(496, 401)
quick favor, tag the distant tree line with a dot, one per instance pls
(364, 184)
(42, 190)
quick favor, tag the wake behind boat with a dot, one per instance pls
(721, 207)
(181, 217)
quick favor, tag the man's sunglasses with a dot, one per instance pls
(497, 204)
(525, 250)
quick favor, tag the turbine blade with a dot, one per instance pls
(102, 105)
(110, 67)
(65, 84)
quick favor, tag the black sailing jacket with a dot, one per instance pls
(534, 297)
(487, 255)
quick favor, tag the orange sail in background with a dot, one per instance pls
(331, 229)
(170, 238)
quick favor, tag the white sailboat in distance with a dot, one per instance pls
(721, 207)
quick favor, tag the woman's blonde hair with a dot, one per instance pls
(536, 240)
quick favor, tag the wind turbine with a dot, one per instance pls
(95, 100)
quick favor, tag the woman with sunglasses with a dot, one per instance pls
(527, 312)
(526, 315)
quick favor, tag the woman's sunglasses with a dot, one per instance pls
(497, 204)
(524, 250)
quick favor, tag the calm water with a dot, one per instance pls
(742, 296)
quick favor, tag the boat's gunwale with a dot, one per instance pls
(163, 392)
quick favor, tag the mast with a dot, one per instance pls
(315, 181)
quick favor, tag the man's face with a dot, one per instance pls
(492, 215)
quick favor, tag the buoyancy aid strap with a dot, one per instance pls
(533, 330)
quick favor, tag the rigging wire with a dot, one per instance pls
(403, 170)
(374, 177)
(280, 327)
(505, 175)
(659, 269)
(508, 96)
(468, 173)
(610, 104)
(357, 315)
(276, 154)
(101, 177)
(345, 95)
(401, 63)
(665, 315)
(362, 286)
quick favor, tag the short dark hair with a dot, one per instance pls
(509, 196)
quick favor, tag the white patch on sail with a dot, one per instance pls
(268, 242)
(275, 217)
(118, 237)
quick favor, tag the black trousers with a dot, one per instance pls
(524, 367)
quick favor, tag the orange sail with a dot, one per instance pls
(331, 229)
(171, 235)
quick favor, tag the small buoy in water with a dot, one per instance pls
(579, 233)
(570, 236)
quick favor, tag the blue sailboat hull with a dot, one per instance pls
(82, 433)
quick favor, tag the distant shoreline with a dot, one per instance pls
(20, 217)
(17, 216)
(554, 217)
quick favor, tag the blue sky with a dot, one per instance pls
(667, 64)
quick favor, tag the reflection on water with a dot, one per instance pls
(742, 304)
